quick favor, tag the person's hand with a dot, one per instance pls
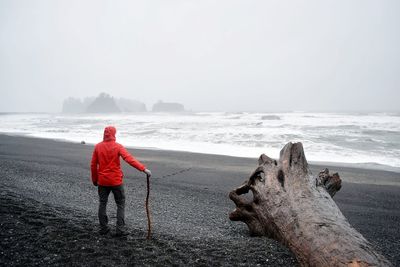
(147, 172)
(95, 183)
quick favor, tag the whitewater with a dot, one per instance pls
(371, 139)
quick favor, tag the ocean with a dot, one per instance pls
(362, 139)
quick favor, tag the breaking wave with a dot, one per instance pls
(329, 137)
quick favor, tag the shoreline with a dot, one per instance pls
(354, 140)
(46, 188)
(364, 166)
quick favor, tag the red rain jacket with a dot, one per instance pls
(105, 165)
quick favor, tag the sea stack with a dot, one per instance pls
(104, 103)
(161, 106)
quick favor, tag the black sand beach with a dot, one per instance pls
(48, 209)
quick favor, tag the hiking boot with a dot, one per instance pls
(120, 232)
(104, 230)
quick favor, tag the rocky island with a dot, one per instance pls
(161, 106)
(103, 103)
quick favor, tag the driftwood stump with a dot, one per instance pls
(297, 209)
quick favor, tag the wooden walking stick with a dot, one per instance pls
(147, 209)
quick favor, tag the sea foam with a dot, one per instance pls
(329, 137)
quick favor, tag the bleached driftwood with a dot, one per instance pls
(297, 209)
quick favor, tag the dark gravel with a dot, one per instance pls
(37, 234)
(48, 210)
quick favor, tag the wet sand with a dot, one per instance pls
(49, 209)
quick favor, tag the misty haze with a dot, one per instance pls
(171, 105)
(209, 56)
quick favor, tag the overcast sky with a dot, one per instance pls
(209, 55)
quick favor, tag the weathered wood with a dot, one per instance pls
(297, 209)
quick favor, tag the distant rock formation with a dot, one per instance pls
(270, 117)
(73, 105)
(104, 103)
(87, 101)
(168, 107)
(128, 105)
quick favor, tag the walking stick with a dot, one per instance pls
(147, 208)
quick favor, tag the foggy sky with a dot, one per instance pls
(209, 55)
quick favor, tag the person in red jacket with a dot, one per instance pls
(107, 176)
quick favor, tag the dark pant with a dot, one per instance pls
(119, 197)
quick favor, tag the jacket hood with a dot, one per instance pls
(109, 133)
